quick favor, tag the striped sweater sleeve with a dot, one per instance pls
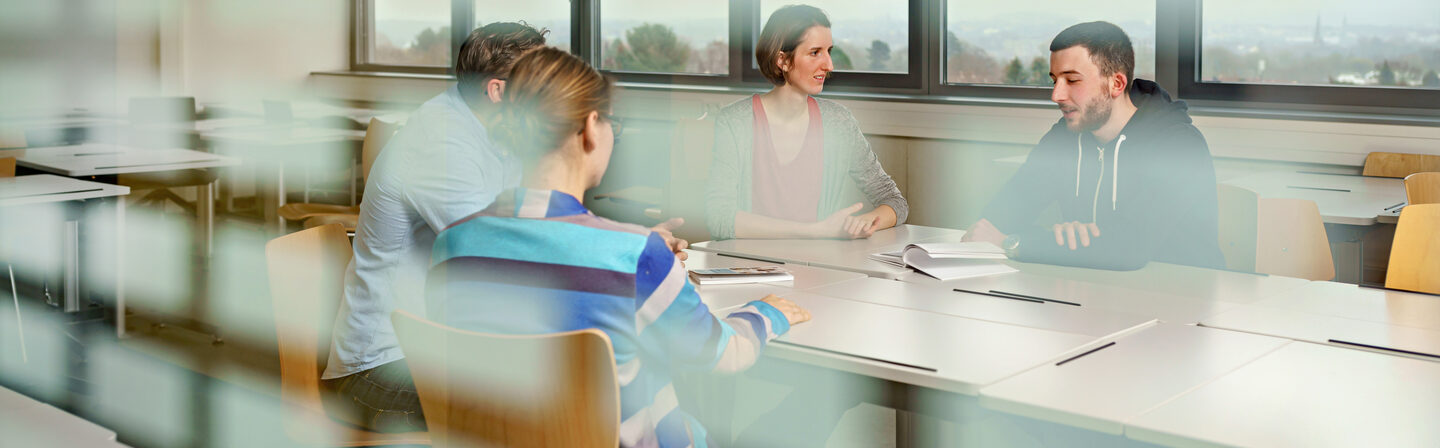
(670, 315)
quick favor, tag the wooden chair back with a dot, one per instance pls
(551, 390)
(1291, 241)
(1238, 209)
(1423, 188)
(1415, 254)
(691, 148)
(1398, 165)
(377, 134)
(7, 167)
(307, 280)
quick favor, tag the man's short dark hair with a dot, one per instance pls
(490, 52)
(1109, 47)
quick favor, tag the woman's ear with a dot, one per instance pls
(495, 89)
(782, 61)
(590, 133)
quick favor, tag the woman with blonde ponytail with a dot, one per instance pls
(537, 261)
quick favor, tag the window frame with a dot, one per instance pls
(1377, 100)
(362, 40)
(1177, 66)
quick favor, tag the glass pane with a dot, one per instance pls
(1391, 43)
(1009, 42)
(869, 36)
(410, 32)
(665, 36)
(553, 15)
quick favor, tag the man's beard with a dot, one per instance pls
(1096, 114)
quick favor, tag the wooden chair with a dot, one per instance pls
(1238, 209)
(551, 390)
(376, 136)
(7, 167)
(307, 277)
(1399, 165)
(1415, 255)
(1291, 241)
(1422, 188)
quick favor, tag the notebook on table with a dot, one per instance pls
(949, 261)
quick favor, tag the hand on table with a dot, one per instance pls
(677, 245)
(842, 225)
(983, 230)
(794, 313)
(1074, 231)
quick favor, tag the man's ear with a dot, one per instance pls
(1119, 84)
(495, 89)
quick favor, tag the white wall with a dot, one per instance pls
(245, 51)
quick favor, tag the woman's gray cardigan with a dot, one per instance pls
(847, 158)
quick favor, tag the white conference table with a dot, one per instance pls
(1178, 280)
(723, 298)
(917, 348)
(25, 421)
(1305, 395)
(275, 147)
(1394, 322)
(1342, 198)
(34, 189)
(1109, 387)
(845, 255)
(1087, 295)
(106, 159)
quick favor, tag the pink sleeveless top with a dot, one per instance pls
(791, 190)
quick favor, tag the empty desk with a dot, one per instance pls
(931, 298)
(275, 147)
(1305, 395)
(1342, 198)
(1157, 305)
(1102, 390)
(48, 188)
(25, 421)
(1181, 281)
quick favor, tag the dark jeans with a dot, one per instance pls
(381, 399)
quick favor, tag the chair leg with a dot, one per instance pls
(19, 323)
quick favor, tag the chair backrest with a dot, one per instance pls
(162, 109)
(1423, 188)
(1415, 254)
(377, 134)
(551, 390)
(307, 280)
(691, 148)
(12, 137)
(1290, 240)
(7, 167)
(1238, 209)
(1394, 164)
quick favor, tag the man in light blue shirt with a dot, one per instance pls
(439, 168)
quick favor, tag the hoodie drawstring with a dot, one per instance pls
(1114, 177)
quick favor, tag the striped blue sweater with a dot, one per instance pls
(537, 261)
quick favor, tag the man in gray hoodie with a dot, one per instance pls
(1131, 175)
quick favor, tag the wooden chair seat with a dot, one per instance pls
(302, 211)
(1415, 254)
(348, 221)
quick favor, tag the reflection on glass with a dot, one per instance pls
(1390, 43)
(664, 36)
(1009, 42)
(869, 36)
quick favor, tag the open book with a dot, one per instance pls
(949, 261)
(726, 276)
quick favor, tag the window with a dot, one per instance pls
(869, 36)
(553, 15)
(1008, 43)
(407, 33)
(665, 36)
(1378, 43)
